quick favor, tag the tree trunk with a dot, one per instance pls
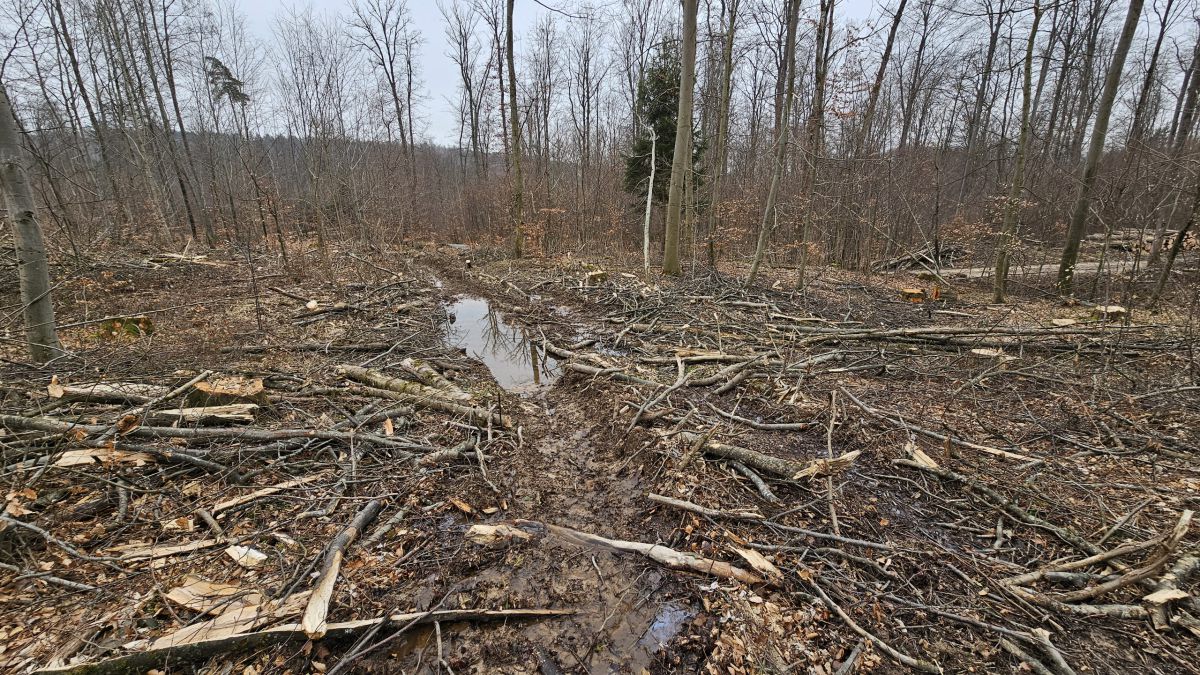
(873, 99)
(515, 121)
(649, 200)
(683, 127)
(1164, 275)
(33, 269)
(764, 231)
(1012, 209)
(1091, 167)
(722, 148)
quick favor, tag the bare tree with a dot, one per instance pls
(682, 160)
(1012, 207)
(1091, 166)
(729, 15)
(33, 268)
(518, 214)
(781, 140)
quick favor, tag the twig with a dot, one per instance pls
(313, 622)
(917, 664)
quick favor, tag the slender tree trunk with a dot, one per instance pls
(814, 132)
(722, 149)
(649, 200)
(1066, 269)
(765, 228)
(873, 99)
(69, 45)
(1012, 209)
(1137, 129)
(518, 187)
(1164, 274)
(33, 268)
(683, 128)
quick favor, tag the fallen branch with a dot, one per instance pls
(207, 433)
(318, 603)
(916, 664)
(198, 651)
(933, 434)
(704, 511)
(668, 557)
(751, 458)
(1002, 502)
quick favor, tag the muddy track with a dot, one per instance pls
(573, 466)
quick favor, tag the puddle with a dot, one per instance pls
(667, 624)
(505, 349)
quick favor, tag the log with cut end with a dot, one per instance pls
(313, 623)
(476, 415)
(430, 376)
(232, 413)
(107, 392)
(374, 378)
(226, 390)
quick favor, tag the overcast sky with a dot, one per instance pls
(438, 73)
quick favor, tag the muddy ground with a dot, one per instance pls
(992, 442)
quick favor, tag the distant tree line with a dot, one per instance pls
(812, 139)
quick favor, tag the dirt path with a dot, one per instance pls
(572, 468)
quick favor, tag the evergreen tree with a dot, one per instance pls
(657, 106)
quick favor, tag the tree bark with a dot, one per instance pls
(722, 148)
(683, 128)
(1091, 167)
(765, 228)
(1012, 209)
(33, 269)
(518, 186)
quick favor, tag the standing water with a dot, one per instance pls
(504, 348)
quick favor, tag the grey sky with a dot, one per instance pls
(438, 73)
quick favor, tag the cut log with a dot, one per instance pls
(476, 415)
(374, 378)
(227, 389)
(318, 603)
(107, 392)
(430, 376)
(232, 413)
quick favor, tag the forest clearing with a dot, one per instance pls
(849, 478)
(736, 336)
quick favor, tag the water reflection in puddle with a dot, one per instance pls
(514, 360)
(667, 624)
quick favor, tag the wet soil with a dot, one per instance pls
(571, 459)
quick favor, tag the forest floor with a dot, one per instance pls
(404, 451)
